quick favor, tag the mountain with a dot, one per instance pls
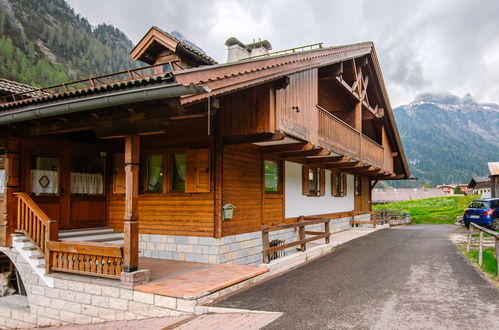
(447, 138)
(45, 43)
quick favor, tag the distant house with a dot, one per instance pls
(449, 189)
(480, 185)
(494, 179)
(382, 196)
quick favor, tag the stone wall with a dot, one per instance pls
(81, 302)
(244, 249)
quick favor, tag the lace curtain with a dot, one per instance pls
(87, 183)
(44, 182)
(2, 181)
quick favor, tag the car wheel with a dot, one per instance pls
(495, 224)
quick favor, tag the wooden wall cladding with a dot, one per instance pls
(250, 111)
(242, 187)
(188, 215)
(273, 209)
(296, 106)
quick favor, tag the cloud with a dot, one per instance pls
(423, 46)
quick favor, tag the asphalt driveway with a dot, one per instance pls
(409, 277)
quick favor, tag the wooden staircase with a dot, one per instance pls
(90, 251)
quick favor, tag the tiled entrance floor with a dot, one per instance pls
(200, 280)
(161, 268)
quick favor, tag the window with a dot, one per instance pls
(271, 176)
(153, 180)
(44, 175)
(87, 175)
(177, 173)
(338, 184)
(357, 186)
(313, 181)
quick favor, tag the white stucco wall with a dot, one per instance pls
(296, 204)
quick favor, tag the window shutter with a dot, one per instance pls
(197, 177)
(190, 170)
(305, 189)
(333, 184)
(203, 172)
(322, 182)
(343, 185)
(119, 174)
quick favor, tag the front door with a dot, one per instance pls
(67, 181)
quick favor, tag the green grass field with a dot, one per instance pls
(439, 210)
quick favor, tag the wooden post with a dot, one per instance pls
(131, 232)
(265, 245)
(326, 230)
(8, 220)
(480, 249)
(470, 234)
(51, 234)
(301, 232)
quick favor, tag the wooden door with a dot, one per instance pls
(362, 193)
(45, 182)
(67, 181)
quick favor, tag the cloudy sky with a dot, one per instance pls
(423, 46)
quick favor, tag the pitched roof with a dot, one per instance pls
(155, 34)
(479, 181)
(13, 87)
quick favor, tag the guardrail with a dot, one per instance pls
(483, 230)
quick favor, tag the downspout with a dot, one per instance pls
(100, 101)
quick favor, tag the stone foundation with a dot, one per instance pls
(243, 249)
(73, 301)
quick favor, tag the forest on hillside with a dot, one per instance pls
(44, 43)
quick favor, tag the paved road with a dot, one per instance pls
(409, 277)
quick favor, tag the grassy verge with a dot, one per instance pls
(489, 264)
(440, 210)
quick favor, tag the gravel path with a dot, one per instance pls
(410, 277)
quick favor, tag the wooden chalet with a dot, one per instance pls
(164, 154)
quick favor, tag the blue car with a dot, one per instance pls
(483, 212)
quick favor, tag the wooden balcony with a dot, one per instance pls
(341, 138)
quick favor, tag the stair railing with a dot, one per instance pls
(35, 224)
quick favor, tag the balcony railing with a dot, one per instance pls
(341, 137)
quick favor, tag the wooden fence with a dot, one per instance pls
(483, 230)
(391, 217)
(301, 224)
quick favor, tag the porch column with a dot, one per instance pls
(8, 220)
(131, 230)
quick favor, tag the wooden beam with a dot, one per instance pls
(328, 160)
(131, 228)
(305, 153)
(345, 165)
(264, 137)
(280, 148)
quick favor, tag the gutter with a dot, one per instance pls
(100, 101)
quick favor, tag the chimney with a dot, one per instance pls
(237, 50)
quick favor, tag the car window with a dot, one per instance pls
(479, 205)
